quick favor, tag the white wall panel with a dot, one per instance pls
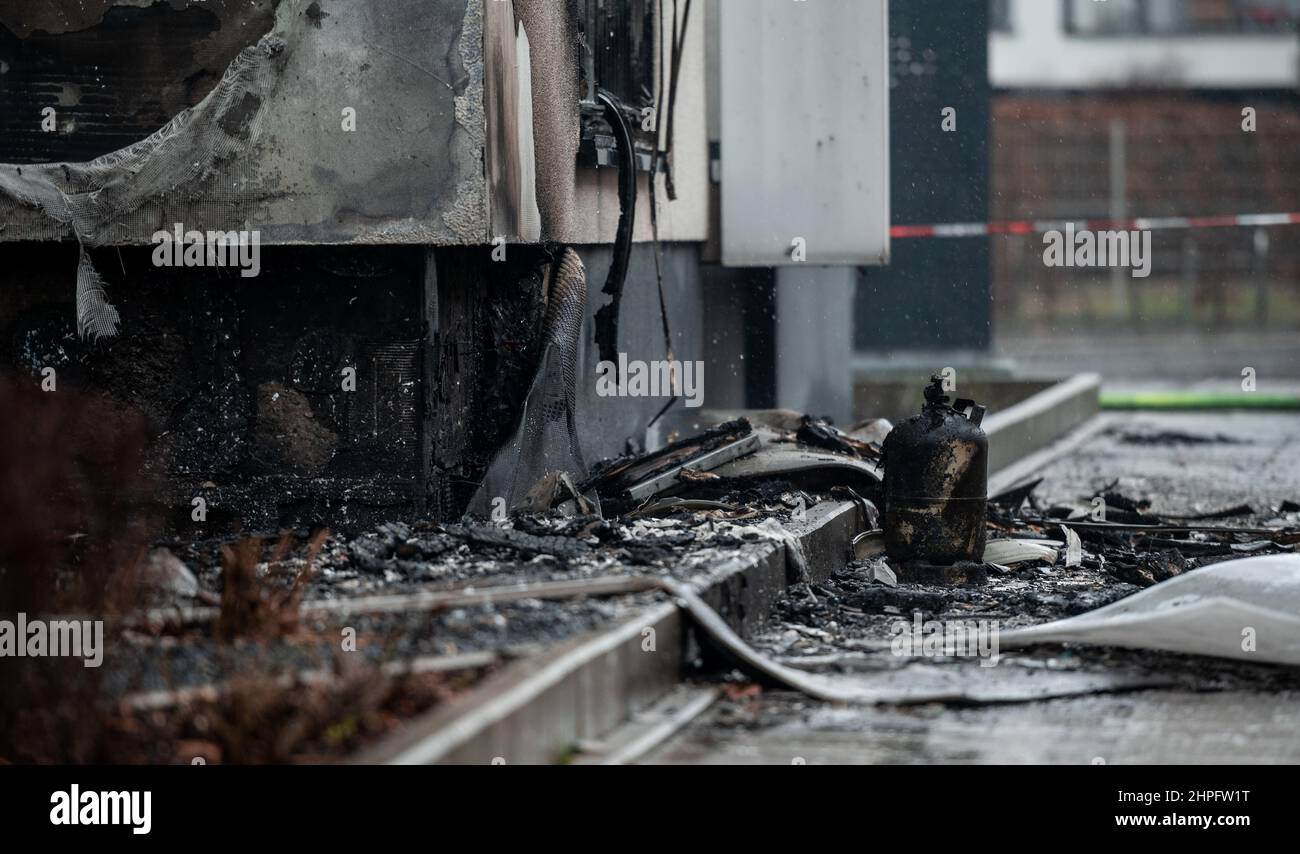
(805, 131)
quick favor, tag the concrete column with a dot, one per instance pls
(814, 340)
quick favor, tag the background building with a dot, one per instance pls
(1133, 108)
(416, 171)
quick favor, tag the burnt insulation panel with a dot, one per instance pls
(241, 380)
(106, 93)
(263, 134)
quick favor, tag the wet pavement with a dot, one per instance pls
(1186, 358)
(1051, 703)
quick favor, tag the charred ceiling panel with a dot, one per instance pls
(266, 147)
(82, 60)
(334, 122)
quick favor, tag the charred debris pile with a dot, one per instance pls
(240, 637)
(234, 640)
(670, 511)
(1147, 582)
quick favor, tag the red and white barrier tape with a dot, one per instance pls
(1024, 226)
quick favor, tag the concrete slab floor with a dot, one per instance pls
(1151, 727)
(1187, 358)
(1217, 712)
(1207, 461)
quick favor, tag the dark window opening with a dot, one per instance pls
(1181, 17)
(616, 54)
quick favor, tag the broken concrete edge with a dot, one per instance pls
(1041, 419)
(405, 603)
(1029, 466)
(538, 710)
(651, 728)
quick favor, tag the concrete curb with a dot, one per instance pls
(1038, 421)
(539, 709)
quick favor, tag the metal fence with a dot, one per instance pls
(1126, 155)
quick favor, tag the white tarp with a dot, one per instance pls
(1246, 609)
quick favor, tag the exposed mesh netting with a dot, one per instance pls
(546, 439)
(115, 197)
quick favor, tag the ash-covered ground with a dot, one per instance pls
(290, 646)
(299, 677)
(467, 557)
(1053, 703)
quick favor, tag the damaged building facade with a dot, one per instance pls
(462, 209)
(534, 381)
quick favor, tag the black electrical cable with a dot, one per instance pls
(676, 45)
(661, 95)
(679, 43)
(607, 315)
(659, 281)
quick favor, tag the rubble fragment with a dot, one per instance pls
(1009, 552)
(820, 433)
(166, 579)
(1073, 547)
(1011, 499)
(527, 545)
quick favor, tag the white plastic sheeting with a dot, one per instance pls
(1245, 609)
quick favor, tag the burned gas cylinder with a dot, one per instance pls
(936, 481)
